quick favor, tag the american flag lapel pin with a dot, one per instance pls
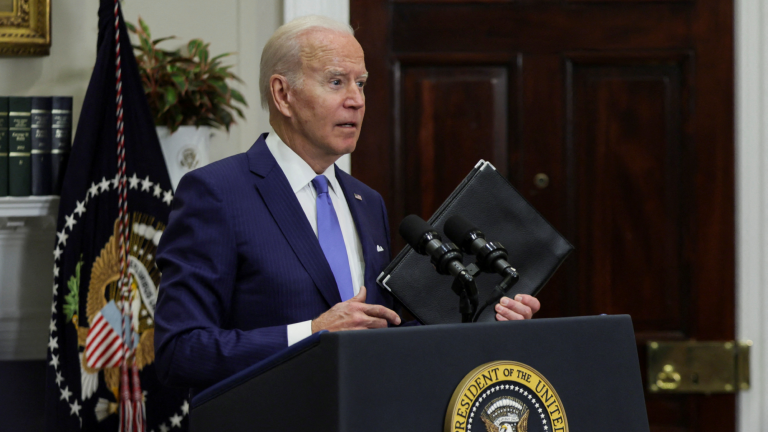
(357, 196)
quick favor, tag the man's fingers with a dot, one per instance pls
(360, 297)
(382, 312)
(513, 310)
(530, 301)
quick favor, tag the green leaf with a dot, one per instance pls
(145, 28)
(131, 27)
(72, 299)
(157, 41)
(220, 85)
(171, 96)
(236, 95)
(145, 44)
(202, 54)
(193, 46)
(180, 81)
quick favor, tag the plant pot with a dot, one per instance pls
(184, 150)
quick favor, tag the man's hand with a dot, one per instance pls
(522, 307)
(355, 314)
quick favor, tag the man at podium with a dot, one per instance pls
(264, 248)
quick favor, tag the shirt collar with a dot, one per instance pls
(296, 169)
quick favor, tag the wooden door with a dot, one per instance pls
(626, 106)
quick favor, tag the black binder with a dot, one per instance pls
(491, 203)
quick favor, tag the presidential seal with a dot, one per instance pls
(505, 396)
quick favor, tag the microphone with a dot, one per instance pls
(425, 240)
(491, 256)
(446, 258)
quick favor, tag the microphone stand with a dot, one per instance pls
(465, 287)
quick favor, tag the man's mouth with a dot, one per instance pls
(347, 125)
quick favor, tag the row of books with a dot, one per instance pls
(35, 142)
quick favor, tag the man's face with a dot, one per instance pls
(329, 105)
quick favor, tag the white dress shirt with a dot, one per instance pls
(300, 176)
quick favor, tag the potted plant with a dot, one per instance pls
(189, 95)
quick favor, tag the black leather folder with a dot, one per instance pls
(493, 205)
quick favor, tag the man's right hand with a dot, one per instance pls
(355, 314)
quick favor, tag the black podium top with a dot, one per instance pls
(402, 379)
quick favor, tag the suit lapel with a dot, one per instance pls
(287, 212)
(363, 231)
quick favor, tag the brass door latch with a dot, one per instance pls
(698, 367)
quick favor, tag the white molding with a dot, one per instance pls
(751, 147)
(32, 206)
(336, 9)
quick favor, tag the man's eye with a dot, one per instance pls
(336, 82)
(361, 84)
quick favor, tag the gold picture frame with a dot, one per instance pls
(25, 28)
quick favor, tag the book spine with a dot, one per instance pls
(41, 146)
(4, 146)
(61, 140)
(20, 151)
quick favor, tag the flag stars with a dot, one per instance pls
(55, 271)
(54, 361)
(57, 253)
(53, 307)
(158, 190)
(185, 408)
(75, 407)
(53, 343)
(80, 208)
(168, 197)
(65, 394)
(115, 181)
(63, 236)
(70, 222)
(52, 327)
(104, 185)
(133, 181)
(176, 420)
(94, 190)
(59, 378)
(164, 428)
(146, 184)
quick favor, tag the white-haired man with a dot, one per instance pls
(267, 247)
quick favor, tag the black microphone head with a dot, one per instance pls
(413, 229)
(458, 229)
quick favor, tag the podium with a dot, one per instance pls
(548, 375)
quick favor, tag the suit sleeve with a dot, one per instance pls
(198, 259)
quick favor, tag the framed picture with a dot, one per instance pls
(25, 27)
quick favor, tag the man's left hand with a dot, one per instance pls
(522, 307)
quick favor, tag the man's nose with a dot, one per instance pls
(355, 98)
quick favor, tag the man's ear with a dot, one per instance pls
(279, 88)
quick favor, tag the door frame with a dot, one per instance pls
(751, 184)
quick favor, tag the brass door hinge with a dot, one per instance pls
(698, 367)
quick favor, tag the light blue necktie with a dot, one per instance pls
(331, 239)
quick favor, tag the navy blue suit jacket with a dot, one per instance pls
(240, 261)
